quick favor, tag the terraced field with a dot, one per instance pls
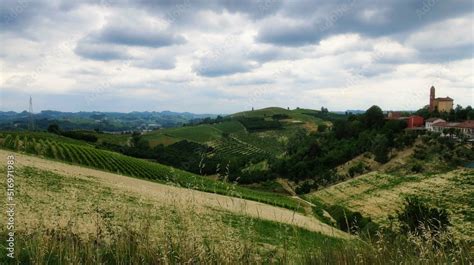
(86, 155)
(380, 195)
(232, 146)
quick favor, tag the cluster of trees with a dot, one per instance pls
(78, 135)
(315, 156)
(258, 124)
(457, 114)
(208, 120)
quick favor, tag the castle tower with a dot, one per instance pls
(432, 98)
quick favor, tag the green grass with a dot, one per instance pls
(117, 163)
(200, 133)
(296, 114)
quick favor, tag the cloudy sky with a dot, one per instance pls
(225, 56)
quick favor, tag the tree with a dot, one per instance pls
(374, 117)
(54, 128)
(381, 148)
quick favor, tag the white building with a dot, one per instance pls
(429, 123)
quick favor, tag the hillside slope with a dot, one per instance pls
(379, 195)
(163, 195)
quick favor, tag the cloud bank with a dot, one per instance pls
(226, 56)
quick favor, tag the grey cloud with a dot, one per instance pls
(216, 69)
(99, 52)
(434, 55)
(345, 16)
(136, 35)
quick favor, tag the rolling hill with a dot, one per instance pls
(380, 194)
(136, 221)
(76, 152)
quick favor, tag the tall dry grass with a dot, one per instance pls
(184, 236)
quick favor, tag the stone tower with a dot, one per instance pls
(432, 98)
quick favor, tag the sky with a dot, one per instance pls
(209, 56)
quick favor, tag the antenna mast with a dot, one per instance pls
(31, 122)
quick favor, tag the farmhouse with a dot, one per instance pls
(440, 104)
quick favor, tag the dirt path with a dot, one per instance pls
(164, 194)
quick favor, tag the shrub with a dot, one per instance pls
(303, 188)
(352, 222)
(416, 168)
(418, 216)
(357, 169)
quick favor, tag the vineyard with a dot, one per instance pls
(231, 146)
(87, 155)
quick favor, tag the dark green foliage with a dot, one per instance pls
(322, 128)
(417, 217)
(280, 116)
(183, 154)
(259, 124)
(351, 222)
(458, 114)
(316, 155)
(54, 128)
(81, 135)
(416, 168)
(358, 169)
(374, 117)
(303, 188)
(381, 148)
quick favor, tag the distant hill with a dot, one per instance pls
(105, 121)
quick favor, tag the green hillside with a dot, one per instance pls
(63, 149)
(380, 195)
(231, 132)
(63, 218)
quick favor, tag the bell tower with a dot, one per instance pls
(432, 98)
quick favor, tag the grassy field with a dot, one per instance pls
(71, 218)
(79, 209)
(117, 163)
(380, 195)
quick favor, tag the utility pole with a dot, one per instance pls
(31, 121)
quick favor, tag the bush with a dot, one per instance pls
(357, 169)
(417, 217)
(352, 222)
(416, 168)
(303, 188)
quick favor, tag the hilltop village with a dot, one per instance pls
(437, 107)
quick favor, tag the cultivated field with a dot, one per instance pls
(60, 148)
(380, 195)
(71, 214)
